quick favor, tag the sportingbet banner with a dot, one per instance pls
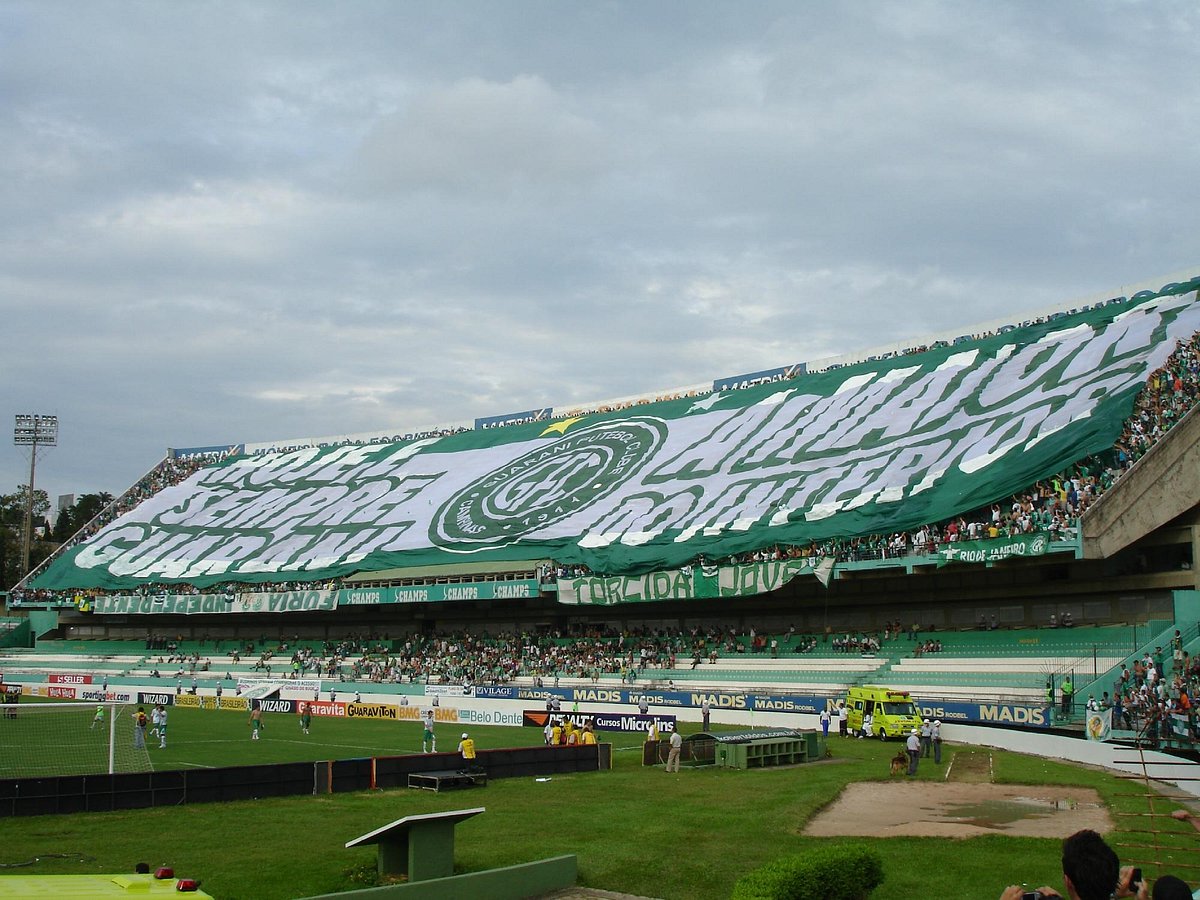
(876, 447)
(691, 583)
(994, 550)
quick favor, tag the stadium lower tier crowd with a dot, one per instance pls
(1156, 689)
(466, 659)
(1155, 699)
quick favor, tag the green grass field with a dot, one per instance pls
(634, 829)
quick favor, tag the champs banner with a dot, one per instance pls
(518, 589)
(692, 583)
(876, 447)
(993, 550)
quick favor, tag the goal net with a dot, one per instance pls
(43, 740)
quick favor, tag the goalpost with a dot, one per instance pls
(43, 740)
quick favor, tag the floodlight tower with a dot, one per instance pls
(33, 431)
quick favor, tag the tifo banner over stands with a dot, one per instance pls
(871, 448)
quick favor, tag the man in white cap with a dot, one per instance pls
(914, 752)
(466, 747)
(935, 734)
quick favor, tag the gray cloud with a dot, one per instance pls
(247, 221)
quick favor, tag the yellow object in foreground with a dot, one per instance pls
(86, 887)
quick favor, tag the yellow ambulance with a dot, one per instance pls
(893, 713)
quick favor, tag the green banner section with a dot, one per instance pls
(441, 593)
(692, 583)
(309, 601)
(994, 550)
(878, 447)
(221, 604)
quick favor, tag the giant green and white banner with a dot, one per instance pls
(876, 447)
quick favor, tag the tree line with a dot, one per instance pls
(46, 537)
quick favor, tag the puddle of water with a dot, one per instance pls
(999, 813)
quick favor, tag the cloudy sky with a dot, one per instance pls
(245, 221)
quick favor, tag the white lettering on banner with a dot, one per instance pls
(512, 591)
(596, 695)
(722, 701)
(448, 690)
(1016, 715)
(938, 712)
(489, 717)
(352, 598)
(412, 595)
(320, 708)
(779, 462)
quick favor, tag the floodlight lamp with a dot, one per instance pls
(35, 429)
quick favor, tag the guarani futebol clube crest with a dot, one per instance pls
(547, 484)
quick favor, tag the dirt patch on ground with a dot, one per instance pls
(960, 810)
(970, 767)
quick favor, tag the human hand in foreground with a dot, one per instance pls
(1124, 889)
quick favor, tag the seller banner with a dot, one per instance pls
(993, 550)
(692, 582)
(68, 678)
(876, 447)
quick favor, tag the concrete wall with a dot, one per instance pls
(1164, 485)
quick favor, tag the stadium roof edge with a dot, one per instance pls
(449, 571)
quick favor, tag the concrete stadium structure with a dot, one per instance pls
(1125, 577)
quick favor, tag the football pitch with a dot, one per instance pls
(211, 738)
(635, 829)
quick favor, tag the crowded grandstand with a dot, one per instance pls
(916, 518)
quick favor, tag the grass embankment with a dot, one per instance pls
(634, 829)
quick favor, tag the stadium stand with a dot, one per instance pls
(1008, 560)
